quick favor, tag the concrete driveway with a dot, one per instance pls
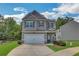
(31, 50)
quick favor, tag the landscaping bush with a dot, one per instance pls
(60, 43)
(20, 42)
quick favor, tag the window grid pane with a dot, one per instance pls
(51, 25)
(41, 23)
(30, 24)
(27, 24)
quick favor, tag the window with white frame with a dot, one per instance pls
(41, 23)
(29, 23)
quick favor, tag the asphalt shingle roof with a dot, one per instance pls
(34, 15)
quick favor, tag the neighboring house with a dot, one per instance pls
(69, 31)
(37, 29)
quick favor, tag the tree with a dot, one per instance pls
(12, 28)
(2, 28)
(2, 23)
(63, 20)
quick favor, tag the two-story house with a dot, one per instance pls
(37, 29)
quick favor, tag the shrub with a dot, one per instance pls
(20, 42)
(60, 43)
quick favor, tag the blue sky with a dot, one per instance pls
(49, 10)
(7, 8)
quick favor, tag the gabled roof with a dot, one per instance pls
(34, 15)
(70, 22)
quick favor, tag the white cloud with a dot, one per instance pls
(20, 9)
(48, 14)
(17, 17)
(62, 10)
(52, 15)
(67, 8)
(76, 18)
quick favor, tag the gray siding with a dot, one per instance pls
(58, 35)
(70, 31)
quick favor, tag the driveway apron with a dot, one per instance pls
(31, 50)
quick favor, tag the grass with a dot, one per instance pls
(75, 43)
(7, 47)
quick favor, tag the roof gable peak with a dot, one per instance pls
(34, 15)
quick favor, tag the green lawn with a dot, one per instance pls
(75, 43)
(7, 47)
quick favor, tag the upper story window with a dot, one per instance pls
(29, 24)
(41, 23)
(52, 25)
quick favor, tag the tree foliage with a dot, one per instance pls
(2, 23)
(12, 29)
(63, 20)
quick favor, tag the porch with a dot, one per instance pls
(50, 37)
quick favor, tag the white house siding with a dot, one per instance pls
(70, 31)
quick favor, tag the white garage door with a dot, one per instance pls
(34, 38)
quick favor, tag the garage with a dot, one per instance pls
(34, 38)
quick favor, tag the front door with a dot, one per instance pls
(50, 38)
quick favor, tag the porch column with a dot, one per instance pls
(45, 37)
(35, 25)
